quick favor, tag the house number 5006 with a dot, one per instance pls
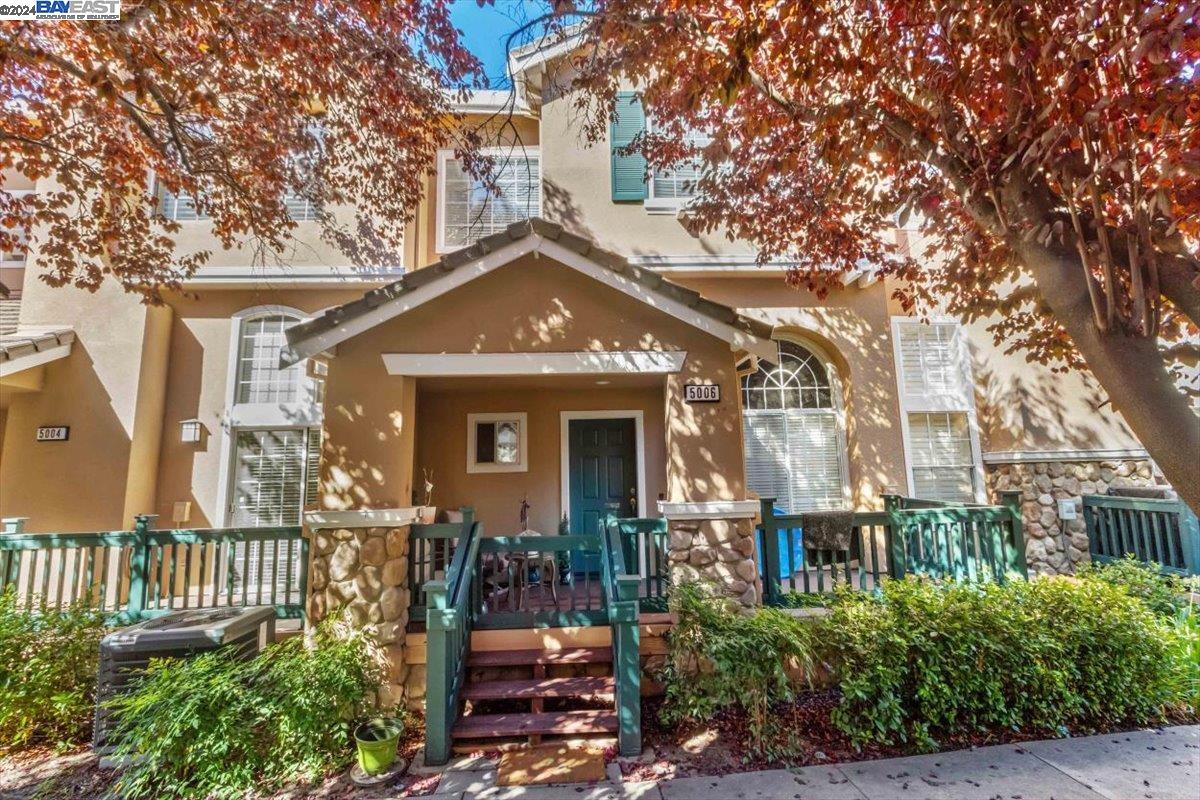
(701, 393)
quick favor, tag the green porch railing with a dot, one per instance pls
(449, 620)
(644, 546)
(430, 551)
(528, 582)
(621, 595)
(143, 573)
(1164, 532)
(921, 537)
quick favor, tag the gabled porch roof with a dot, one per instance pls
(492, 252)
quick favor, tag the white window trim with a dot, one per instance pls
(522, 420)
(440, 210)
(254, 416)
(8, 263)
(977, 474)
(839, 408)
(661, 205)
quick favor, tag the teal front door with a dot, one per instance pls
(602, 468)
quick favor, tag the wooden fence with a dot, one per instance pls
(1162, 532)
(143, 573)
(909, 537)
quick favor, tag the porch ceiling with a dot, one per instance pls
(492, 252)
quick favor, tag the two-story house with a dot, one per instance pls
(567, 344)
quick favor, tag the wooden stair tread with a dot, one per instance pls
(486, 726)
(513, 658)
(540, 687)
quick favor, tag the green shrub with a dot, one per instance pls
(47, 673)
(924, 660)
(216, 725)
(721, 656)
(1164, 594)
(1186, 652)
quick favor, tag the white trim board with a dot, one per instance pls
(533, 242)
(363, 518)
(1033, 456)
(712, 509)
(425, 365)
(35, 359)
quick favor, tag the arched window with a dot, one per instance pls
(792, 432)
(259, 378)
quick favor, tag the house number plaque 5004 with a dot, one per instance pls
(701, 393)
(53, 433)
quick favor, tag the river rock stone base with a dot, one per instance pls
(717, 550)
(1054, 546)
(363, 573)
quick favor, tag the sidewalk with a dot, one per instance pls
(1144, 765)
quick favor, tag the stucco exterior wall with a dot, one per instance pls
(852, 329)
(496, 497)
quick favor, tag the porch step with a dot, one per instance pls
(494, 726)
(541, 687)
(514, 658)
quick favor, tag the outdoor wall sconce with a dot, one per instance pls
(190, 430)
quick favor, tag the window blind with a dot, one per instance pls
(470, 212)
(260, 380)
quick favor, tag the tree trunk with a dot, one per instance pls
(1130, 368)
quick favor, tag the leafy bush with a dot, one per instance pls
(924, 660)
(47, 673)
(217, 725)
(1164, 594)
(721, 656)
(1185, 649)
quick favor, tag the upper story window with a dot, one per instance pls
(259, 378)
(181, 206)
(938, 411)
(792, 430)
(15, 257)
(669, 189)
(467, 212)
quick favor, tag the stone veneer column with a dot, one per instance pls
(1054, 546)
(719, 550)
(364, 573)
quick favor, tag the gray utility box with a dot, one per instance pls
(125, 654)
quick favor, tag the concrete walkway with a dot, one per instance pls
(1145, 765)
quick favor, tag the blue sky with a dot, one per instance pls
(486, 29)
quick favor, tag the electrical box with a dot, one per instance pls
(1066, 509)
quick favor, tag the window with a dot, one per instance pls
(792, 432)
(276, 474)
(300, 209)
(259, 378)
(497, 442)
(938, 411)
(180, 207)
(671, 188)
(16, 256)
(467, 212)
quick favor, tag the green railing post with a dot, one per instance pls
(895, 537)
(1189, 530)
(772, 580)
(439, 621)
(1011, 500)
(139, 568)
(628, 666)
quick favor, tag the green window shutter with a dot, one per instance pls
(628, 171)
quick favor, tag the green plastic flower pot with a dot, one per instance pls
(377, 740)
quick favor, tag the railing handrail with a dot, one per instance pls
(551, 543)
(1132, 503)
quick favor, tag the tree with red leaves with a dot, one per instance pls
(237, 105)
(1048, 154)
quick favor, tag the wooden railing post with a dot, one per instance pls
(1011, 500)
(139, 567)
(772, 580)
(439, 621)
(1189, 529)
(627, 666)
(895, 537)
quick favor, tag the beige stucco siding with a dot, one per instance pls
(538, 305)
(198, 387)
(496, 497)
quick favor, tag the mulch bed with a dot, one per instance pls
(717, 746)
